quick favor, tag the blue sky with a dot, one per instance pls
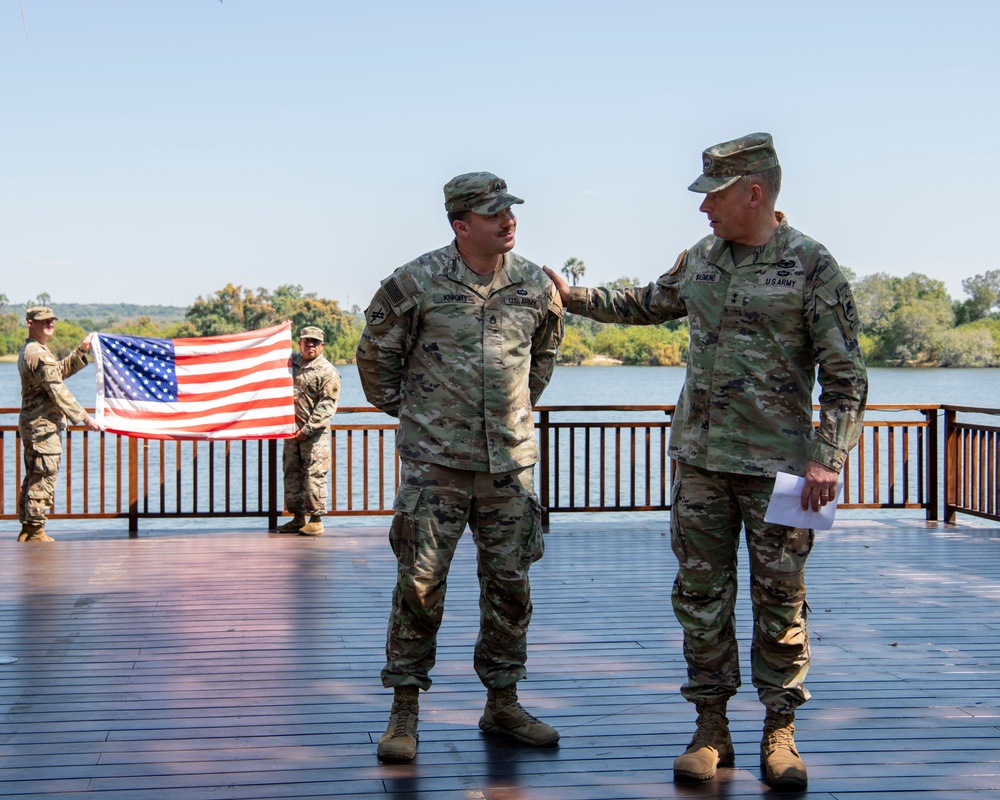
(155, 151)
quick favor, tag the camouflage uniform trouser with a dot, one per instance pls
(433, 506)
(306, 465)
(709, 510)
(39, 484)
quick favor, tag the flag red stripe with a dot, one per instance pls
(275, 383)
(185, 381)
(181, 431)
(234, 409)
(230, 338)
(194, 359)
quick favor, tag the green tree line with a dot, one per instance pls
(229, 310)
(908, 321)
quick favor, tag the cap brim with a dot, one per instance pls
(496, 205)
(706, 184)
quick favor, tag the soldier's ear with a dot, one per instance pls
(461, 228)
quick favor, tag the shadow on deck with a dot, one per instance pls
(189, 665)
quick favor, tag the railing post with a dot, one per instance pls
(932, 464)
(272, 484)
(950, 465)
(133, 486)
(543, 465)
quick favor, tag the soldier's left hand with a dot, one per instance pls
(85, 344)
(820, 487)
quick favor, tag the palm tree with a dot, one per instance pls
(573, 269)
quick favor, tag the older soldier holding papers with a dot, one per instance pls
(768, 308)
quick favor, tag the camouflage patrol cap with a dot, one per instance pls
(39, 314)
(724, 164)
(311, 332)
(478, 192)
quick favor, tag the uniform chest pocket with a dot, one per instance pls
(455, 320)
(518, 319)
(771, 297)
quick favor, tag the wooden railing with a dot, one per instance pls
(971, 463)
(595, 465)
(593, 459)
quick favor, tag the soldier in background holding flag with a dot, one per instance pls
(45, 405)
(306, 456)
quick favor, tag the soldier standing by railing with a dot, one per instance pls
(45, 405)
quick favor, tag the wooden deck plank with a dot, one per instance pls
(186, 665)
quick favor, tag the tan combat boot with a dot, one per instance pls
(33, 533)
(314, 527)
(504, 714)
(711, 746)
(294, 525)
(783, 768)
(399, 742)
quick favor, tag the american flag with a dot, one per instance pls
(237, 386)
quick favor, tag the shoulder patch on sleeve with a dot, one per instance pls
(555, 301)
(677, 263)
(380, 313)
(846, 298)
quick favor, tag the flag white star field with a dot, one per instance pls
(237, 386)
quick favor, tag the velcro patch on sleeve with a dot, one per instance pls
(394, 291)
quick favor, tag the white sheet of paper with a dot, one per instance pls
(785, 507)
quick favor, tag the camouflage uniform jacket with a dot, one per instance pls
(758, 332)
(461, 364)
(317, 392)
(45, 400)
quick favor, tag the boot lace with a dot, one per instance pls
(710, 724)
(780, 735)
(403, 712)
(507, 702)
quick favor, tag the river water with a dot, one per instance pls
(643, 386)
(601, 385)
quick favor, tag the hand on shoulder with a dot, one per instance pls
(560, 283)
